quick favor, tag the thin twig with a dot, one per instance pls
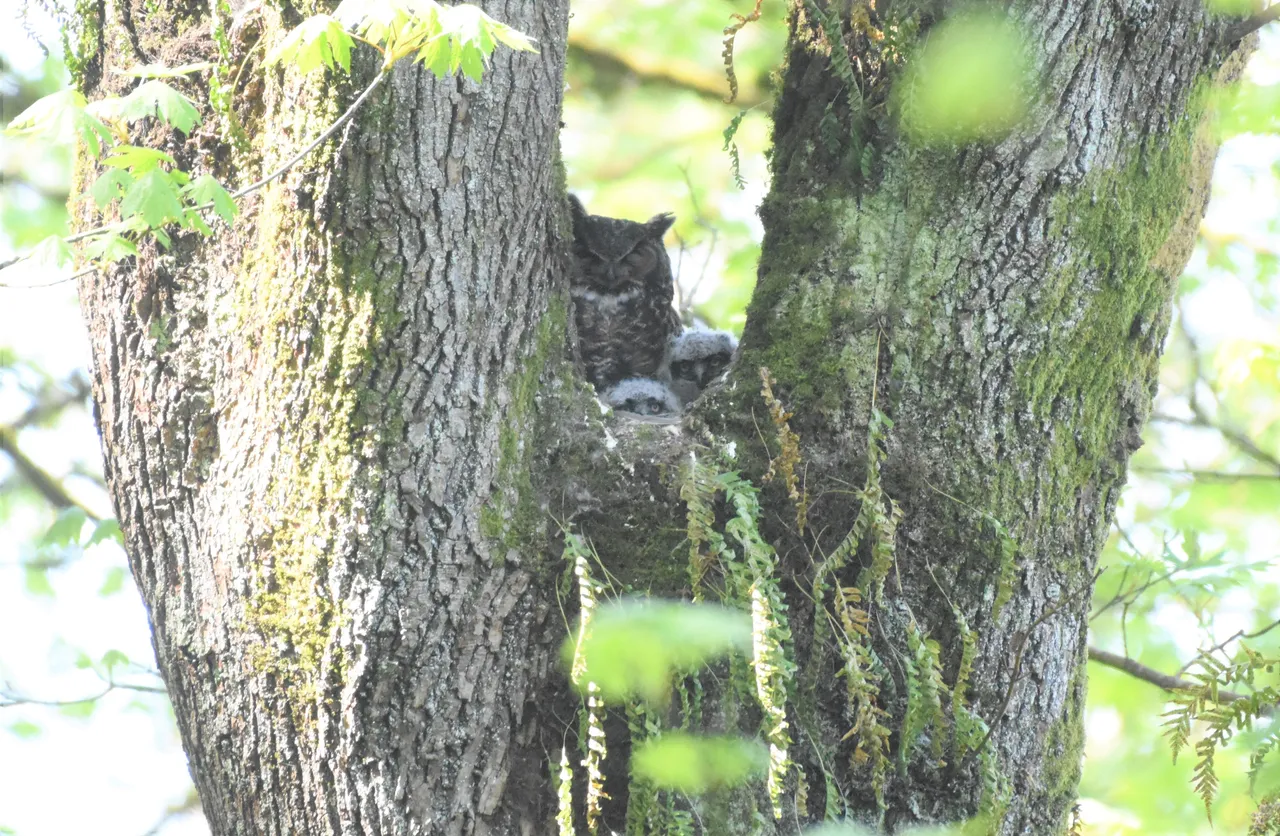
(1238, 634)
(1015, 675)
(1213, 475)
(48, 402)
(1235, 437)
(86, 271)
(328, 132)
(8, 699)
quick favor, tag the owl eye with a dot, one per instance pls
(641, 257)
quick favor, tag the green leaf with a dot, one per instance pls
(110, 185)
(154, 198)
(153, 98)
(472, 63)
(161, 71)
(26, 730)
(110, 248)
(137, 159)
(79, 710)
(112, 658)
(437, 57)
(206, 189)
(114, 581)
(193, 219)
(634, 647)
(1254, 108)
(968, 82)
(464, 23)
(319, 41)
(66, 529)
(52, 253)
(62, 117)
(694, 765)
(512, 38)
(36, 581)
(108, 529)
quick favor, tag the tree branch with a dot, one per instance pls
(682, 76)
(48, 487)
(1219, 475)
(1151, 675)
(1244, 28)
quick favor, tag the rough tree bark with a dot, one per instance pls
(335, 437)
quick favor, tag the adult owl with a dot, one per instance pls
(622, 291)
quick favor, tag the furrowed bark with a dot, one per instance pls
(1005, 304)
(304, 423)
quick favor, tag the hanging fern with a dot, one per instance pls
(698, 489)
(1008, 566)
(834, 805)
(730, 38)
(862, 686)
(754, 579)
(969, 728)
(1222, 712)
(643, 812)
(788, 458)
(924, 694)
(591, 729)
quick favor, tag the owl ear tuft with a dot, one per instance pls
(657, 226)
(579, 214)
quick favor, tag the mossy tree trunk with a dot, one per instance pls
(337, 436)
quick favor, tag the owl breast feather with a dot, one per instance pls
(624, 335)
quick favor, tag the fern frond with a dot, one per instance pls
(1259, 755)
(788, 457)
(730, 38)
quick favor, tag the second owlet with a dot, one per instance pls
(622, 292)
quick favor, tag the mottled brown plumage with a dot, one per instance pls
(622, 292)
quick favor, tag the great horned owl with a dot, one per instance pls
(622, 291)
(698, 357)
(643, 396)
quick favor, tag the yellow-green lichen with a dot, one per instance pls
(314, 332)
(514, 517)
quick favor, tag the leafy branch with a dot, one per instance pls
(152, 195)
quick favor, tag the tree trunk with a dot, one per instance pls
(337, 436)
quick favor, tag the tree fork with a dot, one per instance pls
(334, 435)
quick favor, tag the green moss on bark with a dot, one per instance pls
(1064, 745)
(316, 333)
(515, 517)
(1102, 357)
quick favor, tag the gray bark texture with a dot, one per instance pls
(338, 433)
